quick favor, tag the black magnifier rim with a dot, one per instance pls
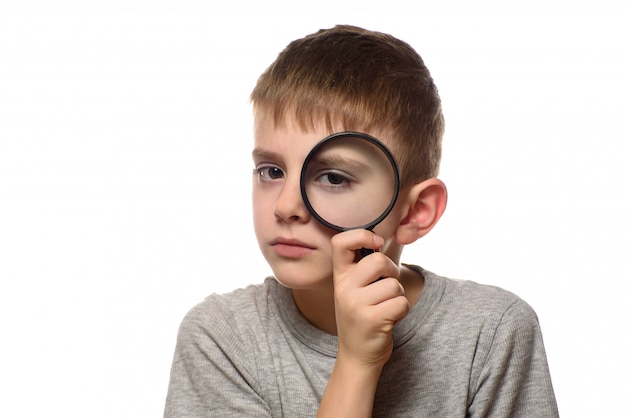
(334, 137)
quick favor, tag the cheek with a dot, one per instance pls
(387, 227)
(258, 206)
(262, 207)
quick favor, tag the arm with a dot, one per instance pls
(365, 311)
(350, 390)
(513, 379)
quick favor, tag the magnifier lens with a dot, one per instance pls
(349, 181)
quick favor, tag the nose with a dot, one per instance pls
(289, 205)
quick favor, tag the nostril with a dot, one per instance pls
(286, 216)
(289, 206)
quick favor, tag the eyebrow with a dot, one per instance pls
(265, 154)
(326, 160)
(334, 160)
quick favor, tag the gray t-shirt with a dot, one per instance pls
(463, 350)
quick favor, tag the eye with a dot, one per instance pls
(269, 172)
(334, 180)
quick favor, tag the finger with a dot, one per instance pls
(382, 290)
(346, 243)
(393, 310)
(365, 272)
(379, 265)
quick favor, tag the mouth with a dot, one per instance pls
(291, 248)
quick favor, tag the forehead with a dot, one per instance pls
(287, 139)
(288, 135)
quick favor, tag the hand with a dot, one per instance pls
(365, 309)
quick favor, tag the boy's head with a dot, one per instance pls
(353, 79)
(341, 79)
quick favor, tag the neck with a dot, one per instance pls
(318, 305)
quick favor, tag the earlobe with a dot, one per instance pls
(426, 202)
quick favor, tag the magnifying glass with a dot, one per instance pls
(350, 180)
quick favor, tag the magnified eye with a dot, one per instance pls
(334, 179)
(269, 172)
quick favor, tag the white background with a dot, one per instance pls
(125, 138)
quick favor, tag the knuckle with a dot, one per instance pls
(378, 260)
(403, 307)
(400, 288)
(335, 240)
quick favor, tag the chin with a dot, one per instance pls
(298, 278)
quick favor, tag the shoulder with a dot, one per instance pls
(495, 313)
(219, 354)
(509, 369)
(498, 321)
(231, 316)
(500, 333)
(470, 298)
(226, 329)
(472, 311)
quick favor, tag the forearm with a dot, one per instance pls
(350, 390)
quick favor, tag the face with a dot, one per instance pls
(296, 246)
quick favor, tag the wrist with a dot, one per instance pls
(358, 368)
(351, 389)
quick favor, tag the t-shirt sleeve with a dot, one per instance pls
(511, 376)
(212, 373)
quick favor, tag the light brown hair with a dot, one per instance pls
(361, 80)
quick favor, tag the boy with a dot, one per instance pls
(325, 337)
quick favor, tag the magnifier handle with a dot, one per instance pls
(364, 252)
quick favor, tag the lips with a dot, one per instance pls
(291, 248)
(288, 241)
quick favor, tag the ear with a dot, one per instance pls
(425, 203)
